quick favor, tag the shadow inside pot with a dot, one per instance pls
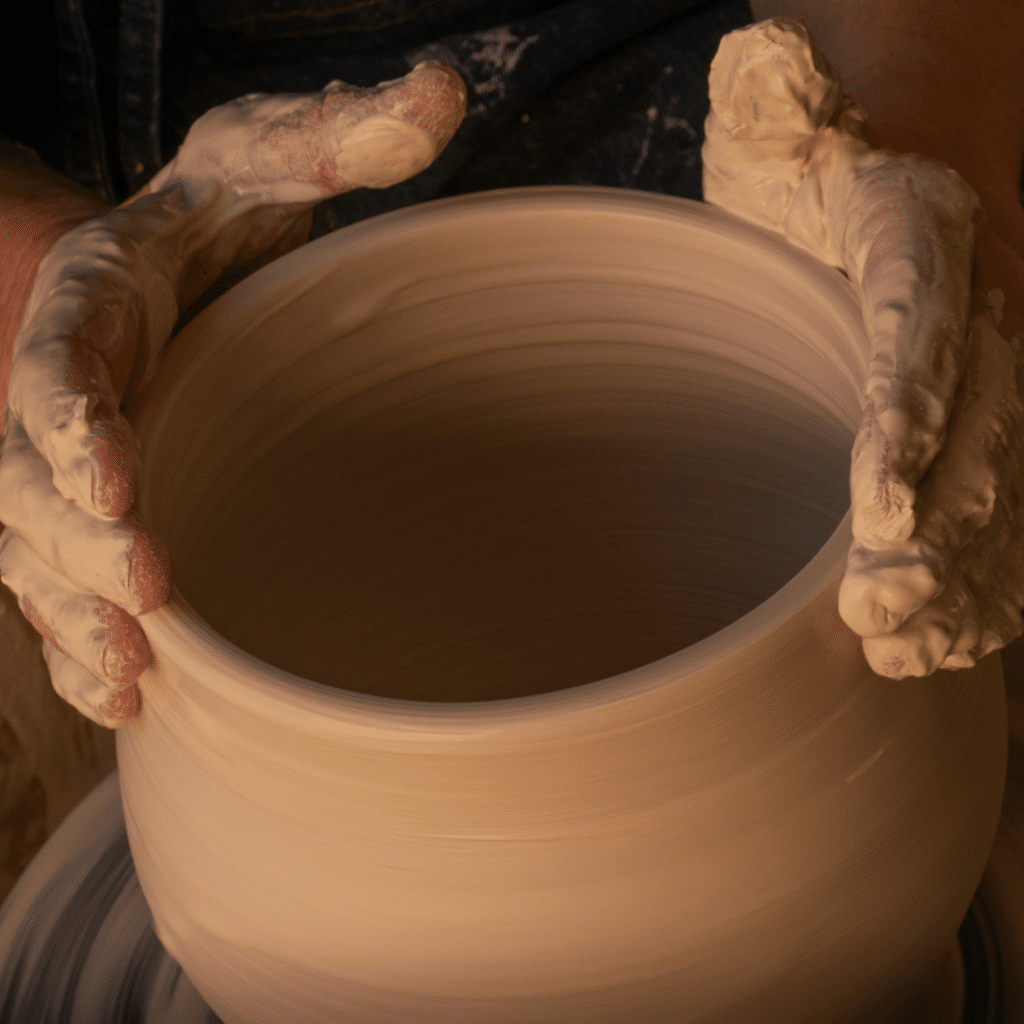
(506, 533)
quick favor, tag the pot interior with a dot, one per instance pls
(503, 531)
(496, 486)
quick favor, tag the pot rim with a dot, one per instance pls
(178, 633)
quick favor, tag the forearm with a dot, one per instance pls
(944, 79)
(37, 206)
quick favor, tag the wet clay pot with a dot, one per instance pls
(504, 680)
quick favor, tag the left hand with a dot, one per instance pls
(239, 192)
(935, 575)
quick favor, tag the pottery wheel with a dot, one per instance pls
(77, 944)
(76, 936)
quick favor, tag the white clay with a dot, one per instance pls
(557, 428)
(784, 149)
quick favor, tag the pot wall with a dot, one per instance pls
(753, 827)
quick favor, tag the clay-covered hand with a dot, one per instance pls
(935, 575)
(106, 298)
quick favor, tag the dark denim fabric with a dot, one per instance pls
(82, 119)
(586, 92)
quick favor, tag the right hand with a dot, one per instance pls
(935, 574)
(107, 295)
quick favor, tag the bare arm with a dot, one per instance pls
(37, 206)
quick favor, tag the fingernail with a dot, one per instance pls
(382, 151)
(957, 661)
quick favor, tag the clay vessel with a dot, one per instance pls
(504, 679)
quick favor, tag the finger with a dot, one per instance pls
(391, 132)
(980, 610)
(908, 243)
(93, 697)
(302, 148)
(993, 565)
(100, 636)
(946, 630)
(107, 294)
(62, 397)
(97, 307)
(885, 584)
(121, 560)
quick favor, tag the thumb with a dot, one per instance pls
(305, 147)
(250, 171)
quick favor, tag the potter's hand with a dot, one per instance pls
(935, 576)
(239, 192)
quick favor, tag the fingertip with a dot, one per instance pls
(455, 81)
(886, 660)
(124, 654)
(916, 653)
(444, 74)
(444, 101)
(859, 609)
(116, 461)
(150, 571)
(944, 634)
(91, 696)
(447, 83)
(122, 706)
